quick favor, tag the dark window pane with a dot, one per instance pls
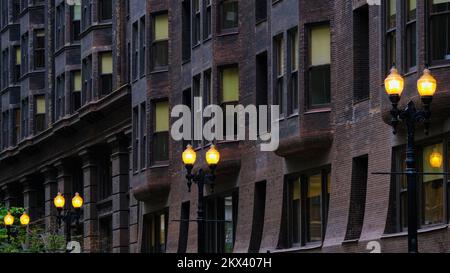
(229, 14)
(411, 48)
(440, 37)
(160, 54)
(319, 85)
(160, 146)
(106, 84)
(105, 9)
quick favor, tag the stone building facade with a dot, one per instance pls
(86, 94)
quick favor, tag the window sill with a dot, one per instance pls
(293, 115)
(159, 166)
(159, 70)
(228, 33)
(360, 100)
(259, 22)
(206, 40)
(423, 230)
(317, 111)
(307, 247)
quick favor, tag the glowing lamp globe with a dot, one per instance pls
(8, 219)
(426, 85)
(394, 83)
(436, 160)
(212, 156)
(189, 156)
(59, 201)
(24, 219)
(77, 201)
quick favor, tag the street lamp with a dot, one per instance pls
(9, 220)
(69, 217)
(426, 87)
(201, 178)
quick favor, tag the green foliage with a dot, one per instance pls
(29, 239)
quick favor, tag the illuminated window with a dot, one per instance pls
(160, 41)
(40, 113)
(160, 139)
(106, 70)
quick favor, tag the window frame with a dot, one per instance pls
(158, 161)
(220, 17)
(410, 46)
(430, 15)
(154, 43)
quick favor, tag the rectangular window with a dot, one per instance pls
(105, 10)
(411, 31)
(17, 63)
(262, 83)
(143, 128)
(440, 29)
(308, 198)
(259, 207)
(106, 234)
(60, 97)
(229, 93)
(187, 100)
(104, 179)
(433, 185)
(184, 227)
(24, 115)
(16, 9)
(87, 19)
(260, 10)
(75, 15)
(142, 46)
(155, 232)
(106, 71)
(135, 51)
(196, 18)
(39, 49)
(228, 15)
(86, 94)
(24, 48)
(60, 25)
(293, 69)
(186, 22)
(206, 19)
(160, 42)
(220, 235)
(135, 138)
(196, 111)
(207, 95)
(40, 110)
(319, 66)
(5, 12)
(5, 68)
(391, 37)
(5, 129)
(160, 132)
(76, 90)
(278, 54)
(16, 126)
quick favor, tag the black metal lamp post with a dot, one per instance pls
(426, 86)
(69, 217)
(201, 178)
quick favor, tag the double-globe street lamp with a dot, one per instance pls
(201, 178)
(9, 220)
(426, 86)
(69, 217)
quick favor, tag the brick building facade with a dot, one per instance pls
(86, 92)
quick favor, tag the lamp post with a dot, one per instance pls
(69, 217)
(201, 178)
(8, 220)
(426, 87)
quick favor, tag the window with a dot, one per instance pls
(60, 97)
(105, 236)
(357, 197)
(196, 22)
(319, 66)
(105, 10)
(228, 10)
(106, 71)
(135, 51)
(5, 68)
(440, 29)
(186, 36)
(16, 9)
(87, 19)
(39, 49)
(17, 63)
(206, 19)
(391, 37)
(142, 46)
(207, 95)
(135, 138)
(160, 132)
(24, 48)
(229, 90)
(76, 90)
(5, 12)
(187, 100)
(197, 109)
(432, 188)
(361, 54)
(155, 232)
(278, 54)
(16, 126)
(307, 208)
(5, 129)
(221, 212)
(411, 40)
(184, 227)
(75, 15)
(24, 115)
(104, 175)
(262, 85)
(143, 128)
(60, 25)
(40, 109)
(293, 69)
(260, 10)
(87, 79)
(160, 44)
(259, 207)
